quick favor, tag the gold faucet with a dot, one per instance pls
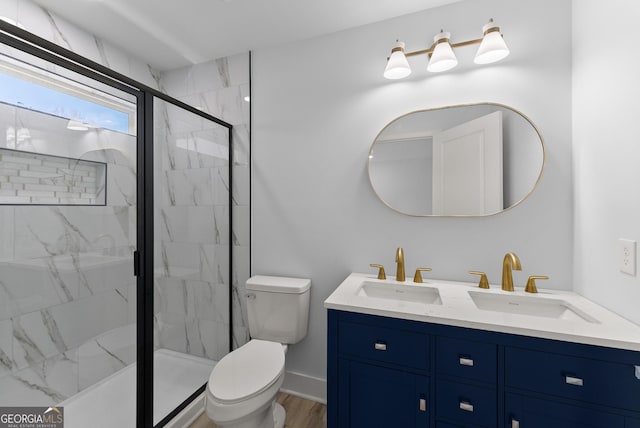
(381, 273)
(510, 261)
(531, 283)
(400, 264)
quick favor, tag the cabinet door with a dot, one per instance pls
(632, 423)
(371, 396)
(528, 412)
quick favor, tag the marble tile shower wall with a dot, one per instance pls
(65, 315)
(49, 26)
(192, 211)
(219, 88)
(66, 282)
(45, 355)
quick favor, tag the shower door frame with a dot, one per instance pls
(143, 256)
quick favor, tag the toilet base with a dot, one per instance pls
(279, 415)
(274, 416)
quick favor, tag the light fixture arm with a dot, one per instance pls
(429, 51)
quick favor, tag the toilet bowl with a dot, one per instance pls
(244, 384)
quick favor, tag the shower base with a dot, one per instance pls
(112, 401)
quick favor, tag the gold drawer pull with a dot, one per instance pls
(467, 407)
(466, 362)
(380, 346)
(574, 381)
(423, 405)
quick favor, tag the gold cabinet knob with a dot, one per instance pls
(531, 283)
(381, 273)
(484, 282)
(418, 276)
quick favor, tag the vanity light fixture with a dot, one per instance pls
(441, 56)
(397, 65)
(492, 48)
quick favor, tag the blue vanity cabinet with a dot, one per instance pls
(382, 397)
(561, 384)
(609, 383)
(466, 381)
(528, 411)
(380, 372)
(388, 372)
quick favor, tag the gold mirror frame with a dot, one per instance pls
(504, 106)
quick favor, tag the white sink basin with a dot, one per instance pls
(529, 305)
(403, 294)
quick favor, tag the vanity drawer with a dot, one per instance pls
(467, 405)
(466, 359)
(400, 347)
(595, 381)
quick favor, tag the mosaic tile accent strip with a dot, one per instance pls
(36, 179)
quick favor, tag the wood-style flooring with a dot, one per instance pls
(301, 413)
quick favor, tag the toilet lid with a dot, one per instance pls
(247, 371)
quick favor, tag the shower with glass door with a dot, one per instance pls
(115, 259)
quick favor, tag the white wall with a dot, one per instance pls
(606, 113)
(318, 105)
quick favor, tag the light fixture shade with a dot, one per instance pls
(397, 65)
(76, 125)
(492, 48)
(443, 58)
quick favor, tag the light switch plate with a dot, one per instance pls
(627, 256)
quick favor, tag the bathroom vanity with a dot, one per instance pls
(447, 354)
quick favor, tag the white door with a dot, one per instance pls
(467, 168)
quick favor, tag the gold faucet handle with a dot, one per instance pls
(484, 282)
(381, 273)
(531, 283)
(418, 276)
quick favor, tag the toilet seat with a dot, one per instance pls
(246, 372)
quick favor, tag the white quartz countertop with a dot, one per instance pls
(457, 308)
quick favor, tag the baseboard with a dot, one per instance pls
(189, 414)
(308, 387)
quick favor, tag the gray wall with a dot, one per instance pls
(314, 213)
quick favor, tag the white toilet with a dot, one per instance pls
(243, 385)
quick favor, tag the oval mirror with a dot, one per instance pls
(464, 160)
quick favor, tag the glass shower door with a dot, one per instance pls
(67, 235)
(192, 253)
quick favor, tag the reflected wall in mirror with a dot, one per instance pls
(464, 160)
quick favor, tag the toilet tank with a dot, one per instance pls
(278, 308)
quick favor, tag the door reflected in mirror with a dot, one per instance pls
(466, 160)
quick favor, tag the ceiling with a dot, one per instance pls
(168, 34)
